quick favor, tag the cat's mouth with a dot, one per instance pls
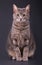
(21, 20)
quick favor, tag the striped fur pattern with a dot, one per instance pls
(20, 43)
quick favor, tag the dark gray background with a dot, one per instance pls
(36, 26)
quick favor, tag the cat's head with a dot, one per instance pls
(21, 14)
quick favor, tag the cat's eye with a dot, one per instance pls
(23, 14)
(17, 14)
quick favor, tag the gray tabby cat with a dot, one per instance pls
(20, 43)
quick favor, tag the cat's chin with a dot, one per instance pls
(21, 23)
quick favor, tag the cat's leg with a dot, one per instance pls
(18, 54)
(12, 54)
(25, 54)
(9, 49)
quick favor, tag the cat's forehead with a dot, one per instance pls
(21, 9)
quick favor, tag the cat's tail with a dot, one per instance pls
(32, 51)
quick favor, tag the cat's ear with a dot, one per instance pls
(28, 8)
(14, 8)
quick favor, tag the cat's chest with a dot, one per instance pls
(20, 28)
(24, 32)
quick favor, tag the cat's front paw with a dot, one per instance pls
(18, 54)
(25, 54)
(25, 59)
(19, 59)
(13, 58)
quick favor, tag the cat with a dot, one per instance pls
(20, 43)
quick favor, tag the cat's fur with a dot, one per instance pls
(20, 43)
